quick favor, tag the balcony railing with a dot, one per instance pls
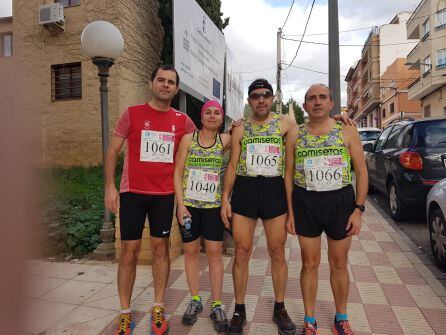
(413, 50)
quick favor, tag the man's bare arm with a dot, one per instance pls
(111, 197)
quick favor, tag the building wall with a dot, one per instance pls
(69, 132)
(437, 103)
(394, 87)
(393, 42)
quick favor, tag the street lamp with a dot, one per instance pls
(103, 43)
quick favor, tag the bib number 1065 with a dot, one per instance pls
(265, 160)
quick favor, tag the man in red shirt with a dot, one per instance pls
(153, 131)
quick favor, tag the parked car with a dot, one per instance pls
(408, 158)
(436, 213)
(369, 134)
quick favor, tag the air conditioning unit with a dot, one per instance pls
(51, 15)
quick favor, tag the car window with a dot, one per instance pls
(405, 137)
(432, 134)
(393, 138)
(382, 139)
(369, 135)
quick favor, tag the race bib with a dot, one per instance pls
(262, 159)
(202, 185)
(323, 173)
(157, 146)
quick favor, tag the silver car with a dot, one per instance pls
(436, 211)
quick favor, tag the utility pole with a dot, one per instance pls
(333, 55)
(279, 70)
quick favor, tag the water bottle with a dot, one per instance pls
(185, 228)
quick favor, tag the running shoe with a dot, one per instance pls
(125, 324)
(236, 325)
(342, 327)
(158, 321)
(310, 329)
(284, 323)
(194, 309)
(219, 319)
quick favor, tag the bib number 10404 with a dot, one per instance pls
(323, 173)
(157, 146)
(202, 185)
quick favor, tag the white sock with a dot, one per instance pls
(125, 311)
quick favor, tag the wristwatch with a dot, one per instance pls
(360, 207)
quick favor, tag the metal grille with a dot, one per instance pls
(69, 3)
(66, 81)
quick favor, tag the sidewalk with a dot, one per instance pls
(393, 290)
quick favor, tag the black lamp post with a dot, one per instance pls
(103, 42)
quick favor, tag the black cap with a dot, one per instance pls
(260, 83)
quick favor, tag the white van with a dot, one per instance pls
(369, 134)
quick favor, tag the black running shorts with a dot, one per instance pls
(134, 208)
(206, 222)
(259, 197)
(329, 211)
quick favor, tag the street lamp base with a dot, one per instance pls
(106, 250)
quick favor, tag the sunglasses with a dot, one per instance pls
(264, 95)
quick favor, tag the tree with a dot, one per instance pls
(298, 112)
(213, 9)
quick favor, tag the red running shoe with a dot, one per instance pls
(158, 321)
(125, 324)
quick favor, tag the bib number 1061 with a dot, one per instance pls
(159, 147)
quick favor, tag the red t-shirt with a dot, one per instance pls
(158, 134)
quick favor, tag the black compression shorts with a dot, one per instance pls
(329, 211)
(134, 208)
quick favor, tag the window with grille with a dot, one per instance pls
(427, 65)
(426, 28)
(6, 47)
(427, 111)
(441, 18)
(66, 81)
(69, 3)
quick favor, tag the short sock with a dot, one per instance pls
(216, 303)
(279, 305)
(158, 304)
(341, 317)
(126, 311)
(240, 308)
(196, 298)
(310, 319)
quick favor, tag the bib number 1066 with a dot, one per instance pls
(320, 175)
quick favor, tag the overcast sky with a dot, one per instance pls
(252, 30)
(251, 35)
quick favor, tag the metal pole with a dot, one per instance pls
(334, 77)
(279, 74)
(183, 105)
(107, 247)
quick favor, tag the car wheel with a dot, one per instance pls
(437, 230)
(398, 211)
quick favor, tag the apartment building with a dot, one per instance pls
(383, 45)
(428, 25)
(394, 93)
(57, 85)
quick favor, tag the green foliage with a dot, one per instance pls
(298, 111)
(74, 208)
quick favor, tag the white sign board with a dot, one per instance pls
(199, 51)
(234, 88)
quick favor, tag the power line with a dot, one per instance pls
(359, 45)
(303, 35)
(289, 12)
(363, 28)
